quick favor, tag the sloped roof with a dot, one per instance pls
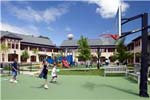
(9, 35)
(1, 34)
(91, 42)
(29, 38)
(139, 37)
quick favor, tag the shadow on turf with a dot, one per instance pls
(91, 86)
(42, 86)
(131, 80)
(38, 87)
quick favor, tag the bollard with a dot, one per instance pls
(31, 68)
(9, 67)
(18, 68)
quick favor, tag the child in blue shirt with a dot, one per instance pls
(14, 68)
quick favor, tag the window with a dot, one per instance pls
(132, 47)
(137, 43)
(23, 47)
(49, 50)
(111, 50)
(13, 46)
(33, 58)
(55, 50)
(137, 59)
(3, 57)
(104, 50)
(33, 48)
(16, 46)
(9, 45)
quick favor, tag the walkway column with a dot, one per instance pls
(6, 53)
(19, 53)
(37, 56)
(66, 52)
(73, 54)
(29, 59)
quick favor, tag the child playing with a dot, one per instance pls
(44, 74)
(14, 68)
(54, 74)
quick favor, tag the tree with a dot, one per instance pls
(25, 55)
(35, 51)
(84, 49)
(122, 54)
(138, 54)
(4, 49)
(130, 56)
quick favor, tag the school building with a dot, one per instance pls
(135, 47)
(17, 43)
(102, 47)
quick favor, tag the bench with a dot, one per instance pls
(115, 69)
(136, 72)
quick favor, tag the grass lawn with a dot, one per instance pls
(81, 72)
(95, 72)
(71, 87)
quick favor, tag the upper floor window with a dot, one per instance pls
(33, 48)
(23, 47)
(111, 50)
(9, 45)
(137, 43)
(13, 46)
(49, 50)
(103, 50)
(16, 46)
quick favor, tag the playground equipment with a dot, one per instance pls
(66, 61)
(50, 60)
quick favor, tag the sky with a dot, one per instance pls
(57, 19)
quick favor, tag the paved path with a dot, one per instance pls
(33, 73)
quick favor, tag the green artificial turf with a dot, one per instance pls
(71, 87)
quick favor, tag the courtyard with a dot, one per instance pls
(72, 87)
(81, 42)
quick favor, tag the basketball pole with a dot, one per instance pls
(144, 59)
(143, 88)
(119, 17)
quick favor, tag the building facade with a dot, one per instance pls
(18, 43)
(105, 48)
(135, 47)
